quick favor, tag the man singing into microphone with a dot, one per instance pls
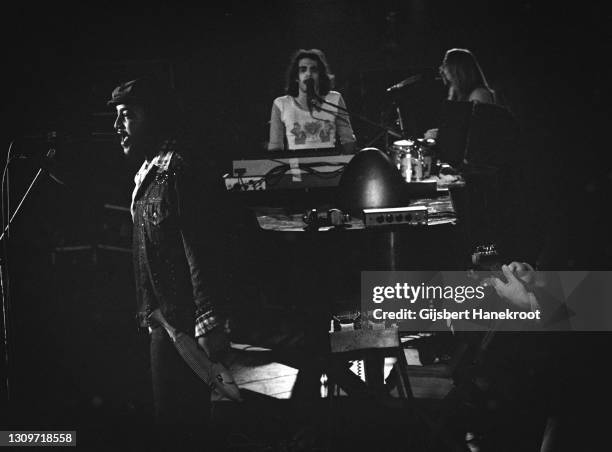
(300, 119)
(175, 245)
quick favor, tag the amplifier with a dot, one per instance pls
(416, 215)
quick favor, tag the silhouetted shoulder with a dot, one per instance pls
(483, 95)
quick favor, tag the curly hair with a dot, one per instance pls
(326, 78)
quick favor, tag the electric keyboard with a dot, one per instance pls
(288, 169)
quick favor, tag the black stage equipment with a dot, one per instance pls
(370, 181)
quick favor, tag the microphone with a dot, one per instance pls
(311, 96)
(50, 143)
(47, 160)
(410, 81)
(310, 91)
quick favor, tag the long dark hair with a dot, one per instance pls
(466, 72)
(326, 78)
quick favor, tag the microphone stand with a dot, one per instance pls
(396, 88)
(383, 128)
(400, 120)
(373, 365)
(6, 229)
(5, 306)
(399, 117)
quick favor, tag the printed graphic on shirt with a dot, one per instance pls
(305, 129)
(298, 133)
(313, 132)
(327, 131)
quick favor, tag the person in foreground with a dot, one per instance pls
(537, 381)
(300, 119)
(173, 246)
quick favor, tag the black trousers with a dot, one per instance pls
(180, 397)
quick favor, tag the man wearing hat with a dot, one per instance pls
(174, 245)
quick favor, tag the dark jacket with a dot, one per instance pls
(176, 245)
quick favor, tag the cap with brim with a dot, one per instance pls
(139, 91)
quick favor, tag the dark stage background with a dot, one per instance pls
(77, 356)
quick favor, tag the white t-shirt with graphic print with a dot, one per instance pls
(309, 130)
